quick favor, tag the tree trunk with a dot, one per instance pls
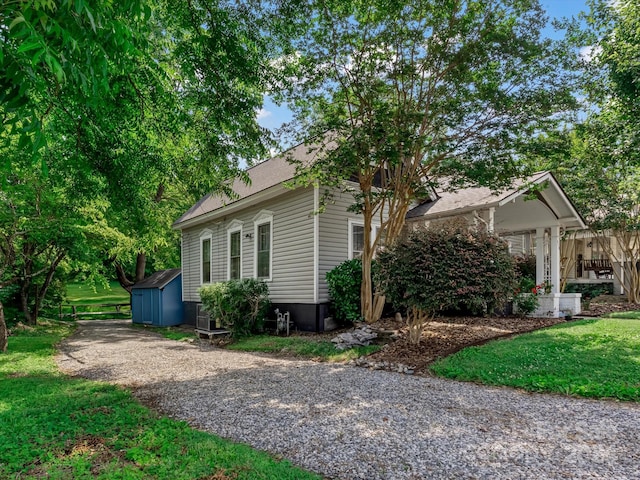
(3, 330)
(41, 294)
(141, 263)
(123, 280)
(24, 302)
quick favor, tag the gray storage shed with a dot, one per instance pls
(157, 300)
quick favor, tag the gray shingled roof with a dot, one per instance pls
(472, 198)
(158, 279)
(267, 174)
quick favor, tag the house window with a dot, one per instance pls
(263, 234)
(264, 250)
(235, 252)
(356, 238)
(205, 259)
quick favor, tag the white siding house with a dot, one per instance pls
(273, 232)
(270, 232)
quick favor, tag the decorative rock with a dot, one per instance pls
(384, 365)
(359, 337)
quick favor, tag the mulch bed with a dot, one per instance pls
(444, 336)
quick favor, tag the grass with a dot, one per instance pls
(634, 315)
(589, 358)
(63, 428)
(84, 294)
(307, 347)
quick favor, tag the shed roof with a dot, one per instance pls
(158, 279)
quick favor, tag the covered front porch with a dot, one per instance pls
(532, 217)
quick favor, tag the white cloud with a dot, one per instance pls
(589, 52)
(262, 113)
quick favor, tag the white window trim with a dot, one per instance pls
(235, 226)
(262, 218)
(352, 221)
(206, 234)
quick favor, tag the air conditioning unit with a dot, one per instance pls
(203, 321)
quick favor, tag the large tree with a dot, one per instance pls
(144, 106)
(49, 48)
(601, 170)
(413, 89)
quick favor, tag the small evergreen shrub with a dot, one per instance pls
(590, 290)
(240, 306)
(448, 268)
(344, 283)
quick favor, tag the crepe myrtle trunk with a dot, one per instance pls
(371, 303)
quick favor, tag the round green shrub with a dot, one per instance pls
(241, 306)
(447, 269)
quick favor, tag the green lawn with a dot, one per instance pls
(307, 347)
(590, 358)
(85, 294)
(635, 315)
(58, 427)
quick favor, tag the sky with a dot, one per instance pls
(272, 116)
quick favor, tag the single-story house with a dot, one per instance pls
(272, 232)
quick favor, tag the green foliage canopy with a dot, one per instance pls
(411, 90)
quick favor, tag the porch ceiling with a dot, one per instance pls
(521, 214)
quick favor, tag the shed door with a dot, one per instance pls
(143, 306)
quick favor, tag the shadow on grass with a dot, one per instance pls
(54, 426)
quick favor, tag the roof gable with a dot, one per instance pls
(464, 200)
(263, 176)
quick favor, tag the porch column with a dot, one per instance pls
(492, 220)
(554, 251)
(539, 255)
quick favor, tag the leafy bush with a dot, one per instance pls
(526, 266)
(590, 290)
(344, 289)
(450, 268)
(240, 306)
(526, 300)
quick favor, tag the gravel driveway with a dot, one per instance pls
(350, 423)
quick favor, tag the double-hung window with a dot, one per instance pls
(263, 224)
(234, 255)
(205, 257)
(356, 238)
